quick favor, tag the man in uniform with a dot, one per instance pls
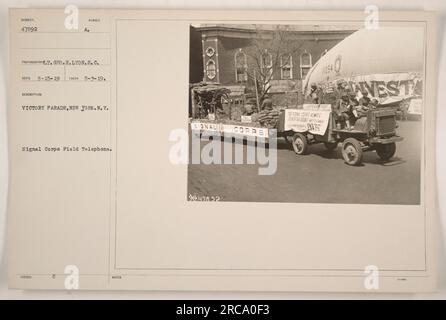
(315, 94)
(353, 106)
(364, 104)
(342, 111)
(267, 103)
(365, 100)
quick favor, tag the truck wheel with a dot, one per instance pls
(386, 151)
(300, 144)
(330, 145)
(352, 151)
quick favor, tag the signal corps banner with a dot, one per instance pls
(230, 129)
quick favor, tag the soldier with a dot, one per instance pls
(353, 105)
(404, 108)
(342, 87)
(365, 100)
(267, 103)
(342, 112)
(315, 94)
(352, 98)
(364, 104)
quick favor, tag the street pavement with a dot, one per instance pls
(319, 177)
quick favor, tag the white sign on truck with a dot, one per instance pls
(307, 120)
(245, 130)
(205, 126)
(230, 129)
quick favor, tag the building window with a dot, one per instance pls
(241, 67)
(305, 64)
(286, 64)
(266, 64)
(211, 70)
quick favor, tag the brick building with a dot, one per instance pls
(233, 55)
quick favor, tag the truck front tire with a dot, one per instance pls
(352, 152)
(386, 151)
(300, 144)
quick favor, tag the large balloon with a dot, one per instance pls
(387, 62)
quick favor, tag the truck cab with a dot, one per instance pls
(374, 131)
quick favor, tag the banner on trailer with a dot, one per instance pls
(205, 126)
(244, 130)
(313, 121)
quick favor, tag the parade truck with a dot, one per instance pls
(360, 65)
(356, 65)
(301, 127)
(313, 124)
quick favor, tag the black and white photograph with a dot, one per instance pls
(317, 113)
(283, 152)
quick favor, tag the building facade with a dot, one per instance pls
(281, 56)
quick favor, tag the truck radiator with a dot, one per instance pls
(385, 125)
